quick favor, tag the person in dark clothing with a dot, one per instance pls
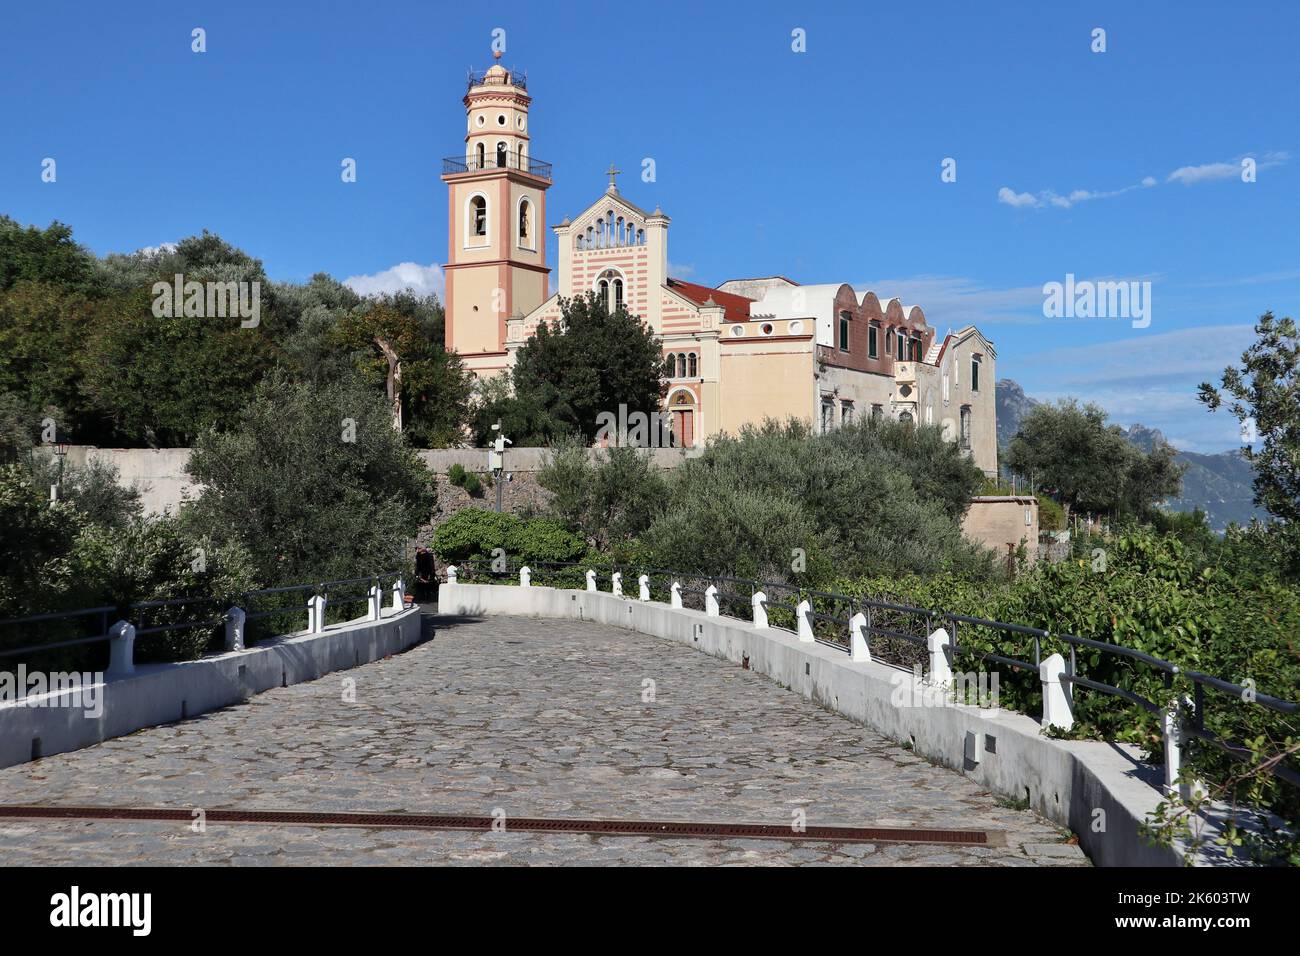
(426, 581)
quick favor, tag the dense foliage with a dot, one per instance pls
(1090, 465)
(478, 535)
(313, 482)
(81, 343)
(592, 362)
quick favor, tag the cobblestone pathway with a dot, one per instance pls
(538, 718)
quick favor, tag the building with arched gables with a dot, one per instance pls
(740, 352)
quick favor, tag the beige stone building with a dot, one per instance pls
(740, 352)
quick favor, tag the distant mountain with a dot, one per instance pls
(1012, 405)
(1221, 485)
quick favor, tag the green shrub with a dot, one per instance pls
(456, 475)
(1051, 516)
(473, 534)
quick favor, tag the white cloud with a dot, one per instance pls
(1187, 175)
(1182, 353)
(681, 270)
(1013, 198)
(422, 280)
(150, 252)
(954, 301)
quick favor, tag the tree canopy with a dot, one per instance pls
(1092, 466)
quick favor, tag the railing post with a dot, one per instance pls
(644, 582)
(711, 601)
(759, 604)
(859, 650)
(1173, 734)
(121, 649)
(616, 583)
(316, 614)
(525, 577)
(676, 594)
(451, 574)
(376, 602)
(1056, 702)
(399, 595)
(803, 621)
(591, 580)
(940, 671)
(235, 618)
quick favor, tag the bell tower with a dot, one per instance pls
(496, 211)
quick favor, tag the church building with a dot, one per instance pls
(737, 353)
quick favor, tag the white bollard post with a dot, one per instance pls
(451, 574)
(616, 583)
(121, 649)
(676, 594)
(940, 672)
(316, 614)
(399, 594)
(591, 580)
(759, 604)
(1056, 702)
(376, 603)
(1172, 726)
(711, 601)
(859, 650)
(644, 582)
(803, 616)
(235, 629)
(525, 577)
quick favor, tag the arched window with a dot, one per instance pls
(618, 294)
(478, 216)
(591, 238)
(579, 243)
(640, 237)
(672, 365)
(965, 426)
(501, 155)
(693, 367)
(602, 289)
(479, 152)
(889, 342)
(600, 234)
(525, 224)
(619, 231)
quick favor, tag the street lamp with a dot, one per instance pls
(496, 458)
(60, 452)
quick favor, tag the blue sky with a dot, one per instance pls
(823, 165)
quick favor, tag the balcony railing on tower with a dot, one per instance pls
(518, 78)
(506, 160)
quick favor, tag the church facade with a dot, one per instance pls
(737, 353)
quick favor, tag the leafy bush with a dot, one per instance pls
(1051, 516)
(474, 534)
(313, 481)
(609, 500)
(777, 500)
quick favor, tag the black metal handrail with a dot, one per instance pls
(516, 78)
(140, 609)
(452, 165)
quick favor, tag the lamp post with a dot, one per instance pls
(60, 452)
(496, 459)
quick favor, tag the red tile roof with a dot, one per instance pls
(736, 306)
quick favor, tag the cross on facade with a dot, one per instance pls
(611, 173)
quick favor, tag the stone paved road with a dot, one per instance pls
(538, 718)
